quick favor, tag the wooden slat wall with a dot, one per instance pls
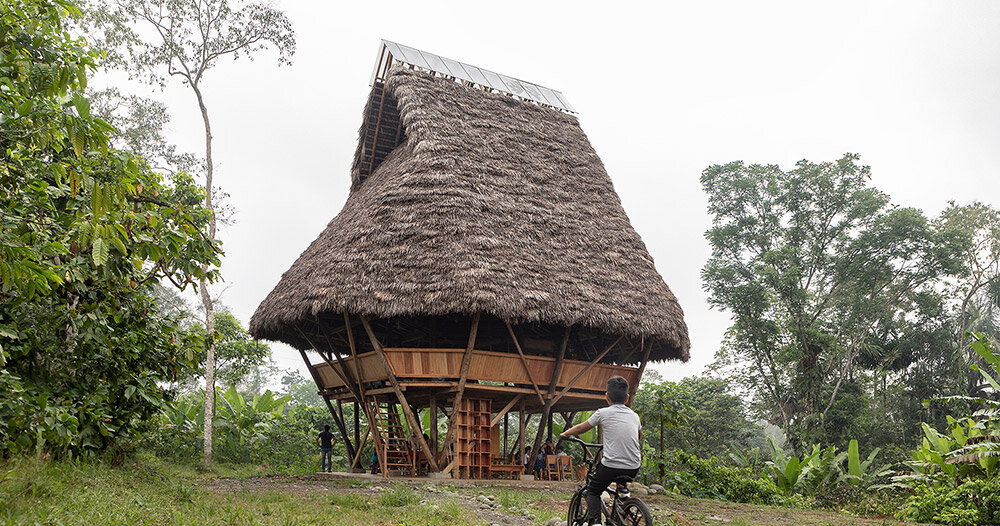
(485, 366)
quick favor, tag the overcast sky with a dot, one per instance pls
(663, 91)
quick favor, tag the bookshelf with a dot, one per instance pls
(473, 437)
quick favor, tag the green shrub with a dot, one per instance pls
(882, 503)
(710, 478)
(973, 503)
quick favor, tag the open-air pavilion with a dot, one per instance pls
(482, 265)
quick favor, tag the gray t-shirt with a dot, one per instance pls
(621, 436)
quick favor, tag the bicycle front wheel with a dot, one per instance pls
(634, 512)
(577, 515)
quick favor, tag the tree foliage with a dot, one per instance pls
(86, 230)
(188, 38)
(819, 271)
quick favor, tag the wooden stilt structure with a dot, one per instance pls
(482, 276)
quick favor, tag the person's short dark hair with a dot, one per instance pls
(326, 427)
(617, 390)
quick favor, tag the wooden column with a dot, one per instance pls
(329, 406)
(340, 427)
(550, 397)
(506, 427)
(463, 376)
(585, 369)
(524, 362)
(638, 378)
(399, 394)
(522, 424)
(433, 420)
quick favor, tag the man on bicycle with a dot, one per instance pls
(622, 434)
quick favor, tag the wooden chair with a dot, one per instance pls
(565, 467)
(551, 467)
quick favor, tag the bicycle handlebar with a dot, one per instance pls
(582, 443)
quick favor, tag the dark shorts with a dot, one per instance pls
(603, 478)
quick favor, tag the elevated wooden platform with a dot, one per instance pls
(493, 375)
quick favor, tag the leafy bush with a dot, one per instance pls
(261, 430)
(710, 478)
(973, 503)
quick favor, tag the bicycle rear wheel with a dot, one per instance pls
(577, 515)
(635, 513)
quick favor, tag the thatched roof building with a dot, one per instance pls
(467, 202)
(488, 204)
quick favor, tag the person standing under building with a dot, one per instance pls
(325, 441)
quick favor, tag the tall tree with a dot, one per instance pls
(85, 232)
(816, 267)
(189, 37)
(982, 279)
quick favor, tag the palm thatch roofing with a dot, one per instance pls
(489, 204)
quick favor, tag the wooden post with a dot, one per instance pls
(319, 385)
(585, 369)
(341, 372)
(550, 426)
(357, 423)
(559, 363)
(360, 376)
(462, 378)
(348, 376)
(524, 362)
(399, 394)
(638, 379)
(550, 401)
(522, 424)
(433, 420)
(505, 410)
(340, 427)
(506, 426)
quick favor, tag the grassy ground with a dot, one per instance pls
(154, 493)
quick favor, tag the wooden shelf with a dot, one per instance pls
(474, 453)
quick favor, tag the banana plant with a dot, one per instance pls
(862, 473)
(787, 470)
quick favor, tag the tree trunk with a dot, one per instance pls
(662, 470)
(206, 299)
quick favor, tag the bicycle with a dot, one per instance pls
(625, 510)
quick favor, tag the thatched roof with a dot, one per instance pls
(489, 204)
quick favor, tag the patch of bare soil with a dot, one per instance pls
(475, 497)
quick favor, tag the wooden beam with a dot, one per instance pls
(524, 361)
(348, 377)
(357, 424)
(506, 408)
(359, 373)
(638, 379)
(340, 427)
(522, 424)
(433, 420)
(585, 369)
(463, 375)
(559, 363)
(399, 394)
(336, 371)
(361, 446)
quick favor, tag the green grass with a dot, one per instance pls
(65, 493)
(151, 492)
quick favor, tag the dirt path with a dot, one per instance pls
(518, 503)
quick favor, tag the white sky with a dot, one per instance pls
(663, 90)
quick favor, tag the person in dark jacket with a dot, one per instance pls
(325, 441)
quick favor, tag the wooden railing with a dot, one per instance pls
(445, 364)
